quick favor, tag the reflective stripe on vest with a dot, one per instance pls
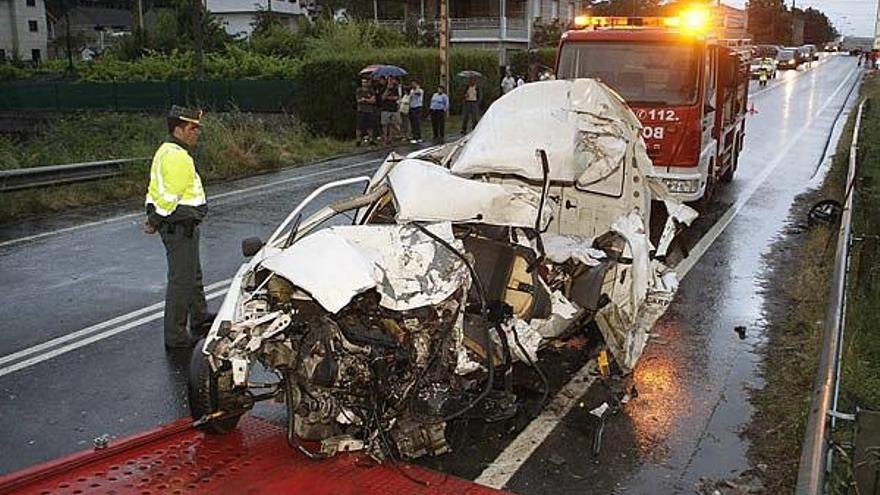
(174, 180)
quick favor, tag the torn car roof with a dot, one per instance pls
(582, 125)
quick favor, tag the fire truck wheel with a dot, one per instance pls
(703, 203)
(207, 390)
(727, 177)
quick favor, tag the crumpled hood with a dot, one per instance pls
(407, 268)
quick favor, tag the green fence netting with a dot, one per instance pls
(244, 95)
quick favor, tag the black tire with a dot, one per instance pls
(727, 176)
(702, 205)
(205, 393)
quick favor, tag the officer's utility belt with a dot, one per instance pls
(187, 227)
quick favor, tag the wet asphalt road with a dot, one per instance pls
(692, 399)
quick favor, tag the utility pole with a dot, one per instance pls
(141, 16)
(877, 28)
(198, 38)
(444, 44)
(376, 11)
(67, 36)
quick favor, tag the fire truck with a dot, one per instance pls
(688, 87)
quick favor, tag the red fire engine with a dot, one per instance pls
(687, 87)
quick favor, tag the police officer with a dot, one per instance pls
(176, 204)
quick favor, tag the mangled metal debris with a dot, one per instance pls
(461, 260)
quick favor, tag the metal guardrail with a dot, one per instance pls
(53, 175)
(814, 462)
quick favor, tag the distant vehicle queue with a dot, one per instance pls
(768, 59)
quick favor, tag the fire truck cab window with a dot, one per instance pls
(640, 72)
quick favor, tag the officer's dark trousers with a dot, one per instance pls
(184, 295)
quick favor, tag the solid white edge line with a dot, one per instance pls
(227, 194)
(95, 328)
(89, 340)
(501, 470)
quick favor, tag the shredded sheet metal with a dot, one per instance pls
(560, 248)
(648, 289)
(407, 268)
(582, 125)
(424, 191)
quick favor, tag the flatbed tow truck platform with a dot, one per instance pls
(254, 459)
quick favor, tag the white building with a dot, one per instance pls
(238, 16)
(23, 31)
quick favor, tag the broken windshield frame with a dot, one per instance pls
(658, 73)
(311, 197)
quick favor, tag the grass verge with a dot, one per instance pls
(860, 370)
(797, 295)
(232, 145)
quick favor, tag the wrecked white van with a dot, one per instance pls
(459, 260)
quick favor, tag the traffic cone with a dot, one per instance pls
(752, 109)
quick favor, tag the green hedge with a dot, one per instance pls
(325, 87)
(519, 60)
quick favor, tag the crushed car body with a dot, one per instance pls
(456, 262)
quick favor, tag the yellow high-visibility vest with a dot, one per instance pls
(174, 180)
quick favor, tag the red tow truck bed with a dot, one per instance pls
(255, 459)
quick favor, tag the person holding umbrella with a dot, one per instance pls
(471, 97)
(390, 111)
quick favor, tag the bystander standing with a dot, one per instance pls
(390, 115)
(471, 105)
(366, 110)
(508, 84)
(439, 108)
(416, 97)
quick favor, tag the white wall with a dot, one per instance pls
(238, 15)
(15, 34)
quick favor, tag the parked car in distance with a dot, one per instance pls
(787, 59)
(811, 53)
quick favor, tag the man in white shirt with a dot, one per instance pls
(508, 83)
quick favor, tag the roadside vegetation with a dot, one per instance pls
(232, 145)
(801, 268)
(860, 369)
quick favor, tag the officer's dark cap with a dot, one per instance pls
(185, 114)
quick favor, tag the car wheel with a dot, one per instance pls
(207, 390)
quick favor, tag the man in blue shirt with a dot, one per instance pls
(439, 107)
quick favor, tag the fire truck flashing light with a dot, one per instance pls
(694, 20)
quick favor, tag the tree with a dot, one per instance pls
(818, 29)
(624, 7)
(769, 22)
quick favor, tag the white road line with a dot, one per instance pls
(518, 452)
(92, 339)
(502, 469)
(15, 356)
(227, 194)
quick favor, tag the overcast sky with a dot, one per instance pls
(859, 14)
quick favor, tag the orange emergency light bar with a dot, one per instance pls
(692, 20)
